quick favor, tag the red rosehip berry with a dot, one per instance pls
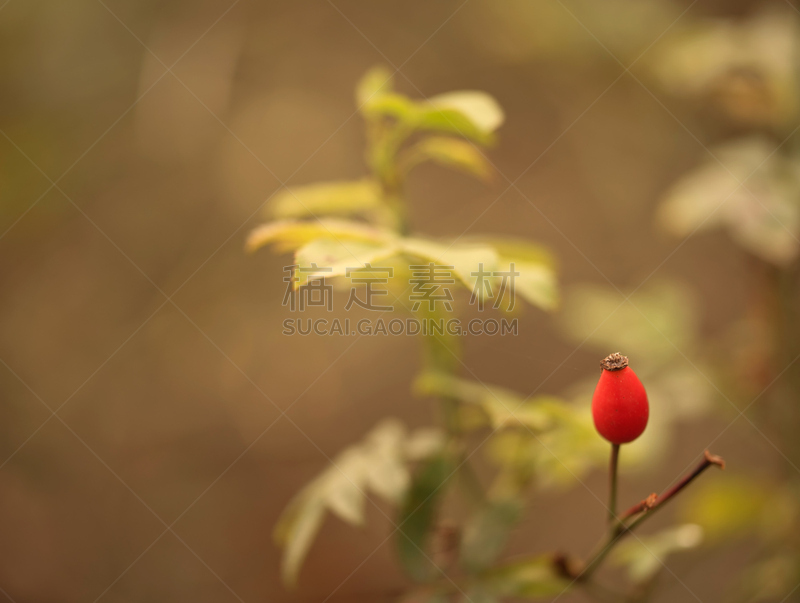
(619, 405)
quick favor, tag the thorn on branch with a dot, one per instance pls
(713, 459)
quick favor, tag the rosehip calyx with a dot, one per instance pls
(619, 405)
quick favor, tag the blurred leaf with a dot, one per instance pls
(651, 327)
(288, 235)
(450, 152)
(394, 105)
(440, 118)
(471, 115)
(326, 199)
(486, 533)
(746, 67)
(536, 282)
(728, 506)
(387, 473)
(342, 244)
(479, 107)
(571, 448)
(336, 257)
(418, 514)
(377, 82)
(442, 349)
(502, 406)
(683, 390)
(378, 464)
(465, 258)
(645, 555)
(424, 442)
(531, 578)
(513, 448)
(566, 450)
(343, 486)
(295, 532)
(762, 215)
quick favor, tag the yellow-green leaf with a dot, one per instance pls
(375, 83)
(335, 257)
(479, 107)
(430, 117)
(465, 259)
(288, 235)
(345, 198)
(536, 283)
(450, 152)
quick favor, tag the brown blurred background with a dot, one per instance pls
(129, 305)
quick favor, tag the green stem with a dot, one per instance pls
(612, 485)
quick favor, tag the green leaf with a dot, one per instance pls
(326, 199)
(288, 235)
(645, 555)
(450, 152)
(418, 515)
(377, 82)
(479, 107)
(531, 578)
(486, 533)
